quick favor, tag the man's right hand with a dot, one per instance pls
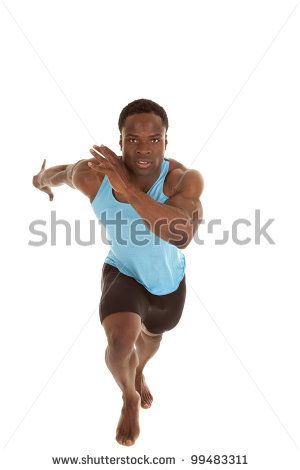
(37, 182)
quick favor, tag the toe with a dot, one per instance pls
(146, 406)
(129, 442)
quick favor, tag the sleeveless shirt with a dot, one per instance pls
(135, 250)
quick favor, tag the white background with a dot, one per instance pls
(226, 380)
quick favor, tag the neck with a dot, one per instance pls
(144, 182)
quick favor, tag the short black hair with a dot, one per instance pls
(143, 105)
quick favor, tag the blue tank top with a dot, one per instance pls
(135, 250)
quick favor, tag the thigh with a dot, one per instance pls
(121, 294)
(122, 328)
(165, 310)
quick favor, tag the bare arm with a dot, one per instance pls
(76, 175)
(178, 219)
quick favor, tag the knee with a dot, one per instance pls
(120, 343)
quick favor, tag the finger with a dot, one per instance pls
(109, 154)
(49, 192)
(98, 167)
(44, 164)
(99, 157)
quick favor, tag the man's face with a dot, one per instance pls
(143, 142)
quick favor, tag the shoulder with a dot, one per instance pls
(174, 164)
(85, 179)
(184, 180)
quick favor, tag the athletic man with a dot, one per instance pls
(150, 208)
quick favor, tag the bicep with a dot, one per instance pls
(187, 200)
(187, 194)
(190, 207)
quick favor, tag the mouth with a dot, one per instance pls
(143, 163)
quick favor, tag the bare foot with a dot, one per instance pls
(128, 428)
(142, 388)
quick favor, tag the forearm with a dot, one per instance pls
(55, 176)
(169, 223)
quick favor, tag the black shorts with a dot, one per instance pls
(121, 293)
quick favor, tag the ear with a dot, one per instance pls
(166, 141)
(120, 141)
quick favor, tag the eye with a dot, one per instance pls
(132, 140)
(155, 140)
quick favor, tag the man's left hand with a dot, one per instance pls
(113, 167)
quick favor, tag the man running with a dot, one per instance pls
(150, 208)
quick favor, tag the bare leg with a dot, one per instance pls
(146, 346)
(122, 330)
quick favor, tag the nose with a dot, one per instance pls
(143, 150)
